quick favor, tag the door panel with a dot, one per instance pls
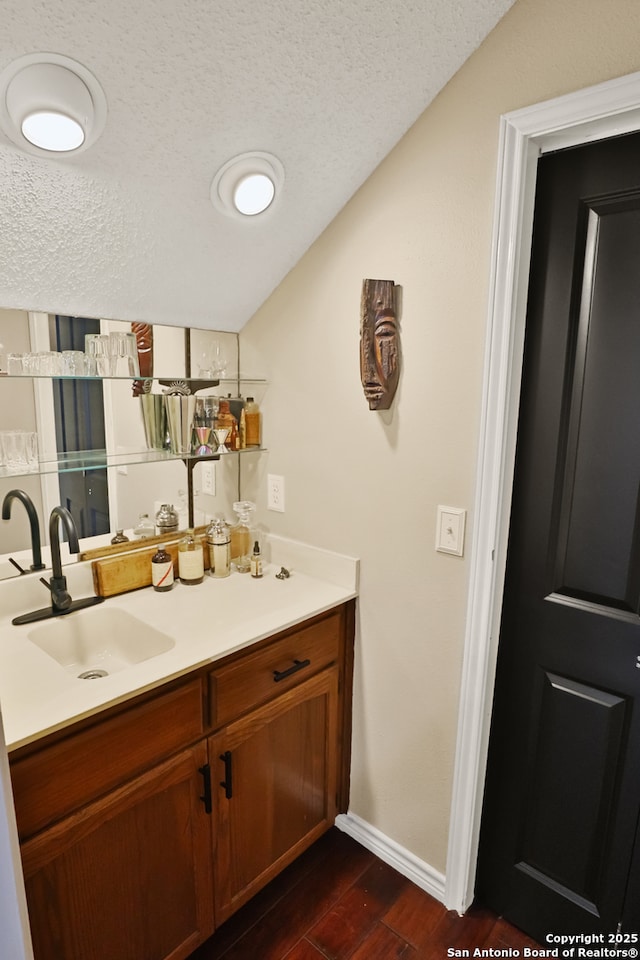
(598, 545)
(562, 794)
(573, 775)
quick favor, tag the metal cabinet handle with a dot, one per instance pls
(206, 796)
(227, 783)
(279, 675)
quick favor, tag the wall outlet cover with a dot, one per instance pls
(209, 478)
(275, 492)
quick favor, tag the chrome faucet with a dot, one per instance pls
(34, 524)
(61, 601)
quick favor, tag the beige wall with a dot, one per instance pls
(367, 483)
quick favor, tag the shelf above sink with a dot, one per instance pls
(99, 459)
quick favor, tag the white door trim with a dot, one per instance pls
(605, 110)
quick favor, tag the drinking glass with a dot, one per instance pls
(123, 355)
(212, 362)
(47, 363)
(96, 346)
(30, 364)
(31, 449)
(74, 363)
(15, 450)
(15, 364)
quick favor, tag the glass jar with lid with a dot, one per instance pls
(241, 536)
(144, 528)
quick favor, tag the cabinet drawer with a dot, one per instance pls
(257, 677)
(63, 776)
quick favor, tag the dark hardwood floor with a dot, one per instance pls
(338, 901)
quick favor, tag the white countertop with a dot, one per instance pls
(206, 622)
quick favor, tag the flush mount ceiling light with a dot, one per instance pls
(49, 104)
(247, 185)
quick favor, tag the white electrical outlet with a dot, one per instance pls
(275, 492)
(209, 478)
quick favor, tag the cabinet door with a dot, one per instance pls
(129, 876)
(274, 774)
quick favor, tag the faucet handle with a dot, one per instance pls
(60, 597)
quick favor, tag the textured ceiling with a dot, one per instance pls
(127, 227)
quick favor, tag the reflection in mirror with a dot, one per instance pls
(86, 414)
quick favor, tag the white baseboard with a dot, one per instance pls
(406, 863)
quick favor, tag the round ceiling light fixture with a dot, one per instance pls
(50, 104)
(247, 185)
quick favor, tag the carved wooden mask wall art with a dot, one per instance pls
(379, 343)
(144, 344)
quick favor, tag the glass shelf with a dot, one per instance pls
(164, 380)
(99, 459)
(61, 376)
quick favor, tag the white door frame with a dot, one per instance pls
(605, 110)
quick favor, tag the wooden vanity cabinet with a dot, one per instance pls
(128, 876)
(275, 787)
(148, 824)
(115, 840)
(280, 755)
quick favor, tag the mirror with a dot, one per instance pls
(63, 412)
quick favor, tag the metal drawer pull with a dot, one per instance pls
(227, 783)
(206, 796)
(279, 675)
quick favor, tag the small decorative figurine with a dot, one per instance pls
(379, 343)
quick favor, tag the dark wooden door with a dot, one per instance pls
(559, 849)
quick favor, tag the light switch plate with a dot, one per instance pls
(450, 530)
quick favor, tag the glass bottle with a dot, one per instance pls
(144, 527)
(226, 419)
(241, 536)
(120, 537)
(242, 430)
(256, 561)
(190, 559)
(161, 569)
(253, 423)
(219, 540)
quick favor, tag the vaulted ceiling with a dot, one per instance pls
(328, 86)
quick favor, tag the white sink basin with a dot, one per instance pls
(99, 641)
